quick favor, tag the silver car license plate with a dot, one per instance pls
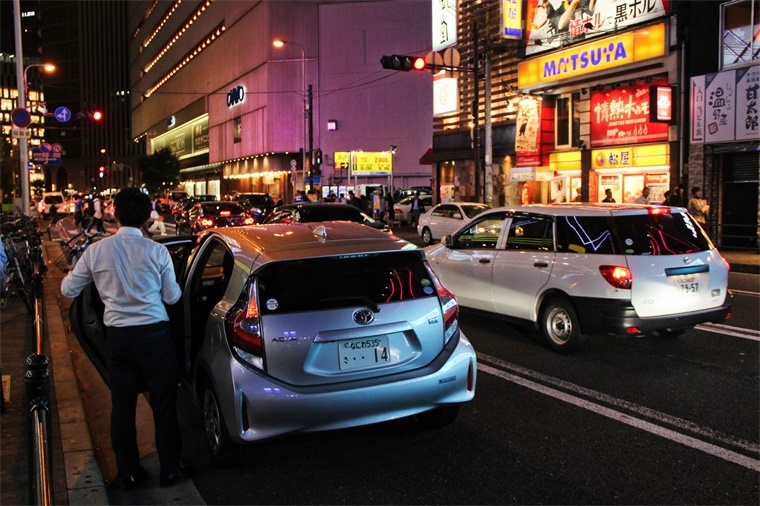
(363, 352)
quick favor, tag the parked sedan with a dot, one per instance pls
(313, 212)
(215, 214)
(264, 357)
(445, 219)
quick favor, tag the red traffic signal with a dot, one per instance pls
(97, 115)
(403, 63)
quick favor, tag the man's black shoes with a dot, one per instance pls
(136, 480)
(172, 479)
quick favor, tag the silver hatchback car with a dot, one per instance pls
(307, 327)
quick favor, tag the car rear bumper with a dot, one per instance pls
(274, 408)
(606, 316)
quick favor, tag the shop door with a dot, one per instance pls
(739, 217)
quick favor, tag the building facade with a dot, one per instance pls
(243, 115)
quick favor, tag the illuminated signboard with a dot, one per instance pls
(661, 104)
(622, 116)
(371, 163)
(652, 155)
(595, 56)
(554, 24)
(511, 19)
(186, 140)
(444, 24)
(445, 96)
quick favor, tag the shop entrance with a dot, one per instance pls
(739, 216)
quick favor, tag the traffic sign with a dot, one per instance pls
(62, 114)
(21, 117)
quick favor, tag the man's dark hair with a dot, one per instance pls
(132, 207)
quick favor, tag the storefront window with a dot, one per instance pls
(740, 21)
(567, 121)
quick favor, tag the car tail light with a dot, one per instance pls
(659, 210)
(207, 222)
(224, 213)
(619, 277)
(249, 220)
(243, 327)
(449, 306)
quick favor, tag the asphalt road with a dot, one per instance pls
(625, 421)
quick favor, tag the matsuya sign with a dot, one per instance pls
(604, 54)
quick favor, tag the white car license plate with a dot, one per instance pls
(687, 285)
(364, 352)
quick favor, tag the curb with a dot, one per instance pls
(84, 479)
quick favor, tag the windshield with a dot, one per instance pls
(218, 207)
(365, 278)
(332, 213)
(641, 234)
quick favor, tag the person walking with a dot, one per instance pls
(698, 206)
(608, 196)
(97, 215)
(158, 225)
(78, 211)
(390, 212)
(677, 197)
(417, 208)
(135, 278)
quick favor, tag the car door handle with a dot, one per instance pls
(540, 264)
(485, 260)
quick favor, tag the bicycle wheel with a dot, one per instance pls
(23, 286)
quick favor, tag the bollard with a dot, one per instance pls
(37, 380)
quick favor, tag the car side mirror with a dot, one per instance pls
(447, 241)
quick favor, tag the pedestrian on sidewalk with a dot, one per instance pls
(135, 278)
(698, 206)
(97, 215)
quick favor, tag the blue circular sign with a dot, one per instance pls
(21, 117)
(62, 114)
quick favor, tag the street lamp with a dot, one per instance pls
(279, 43)
(22, 145)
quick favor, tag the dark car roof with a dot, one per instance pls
(327, 212)
(217, 206)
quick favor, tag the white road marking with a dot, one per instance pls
(619, 416)
(728, 330)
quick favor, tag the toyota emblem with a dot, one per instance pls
(364, 316)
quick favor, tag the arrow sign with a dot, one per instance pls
(62, 114)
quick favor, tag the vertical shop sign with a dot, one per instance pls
(511, 19)
(747, 86)
(528, 128)
(720, 103)
(444, 24)
(621, 116)
(697, 110)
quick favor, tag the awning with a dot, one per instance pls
(425, 159)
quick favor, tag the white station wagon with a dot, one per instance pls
(577, 270)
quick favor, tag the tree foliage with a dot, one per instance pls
(160, 171)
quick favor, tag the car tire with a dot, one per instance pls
(223, 451)
(427, 236)
(437, 417)
(560, 326)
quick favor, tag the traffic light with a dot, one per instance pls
(102, 170)
(318, 157)
(403, 63)
(93, 115)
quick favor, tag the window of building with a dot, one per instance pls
(567, 121)
(740, 24)
(238, 130)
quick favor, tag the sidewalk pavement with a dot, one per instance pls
(78, 471)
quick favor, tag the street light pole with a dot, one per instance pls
(279, 43)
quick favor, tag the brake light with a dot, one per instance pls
(659, 210)
(224, 213)
(244, 331)
(619, 277)
(207, 222)
(449, 306)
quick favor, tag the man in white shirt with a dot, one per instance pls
(644, 197)
(135, 278)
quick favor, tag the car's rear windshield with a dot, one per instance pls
(252, 199)
(331, 213)
(472, 211)
(217, 207)
(340, 281)
(53, 199)
(641, 234)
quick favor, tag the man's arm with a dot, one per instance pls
(78, 278)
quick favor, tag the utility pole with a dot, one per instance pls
(475, 112)
(23, 149)
(311, 140)
(488, 183)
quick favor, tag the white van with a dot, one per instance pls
(51, 199)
